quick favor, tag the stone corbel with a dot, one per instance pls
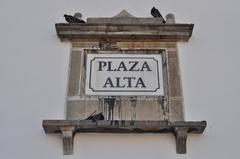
(68, 133)
(181, 139)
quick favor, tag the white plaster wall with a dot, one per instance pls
(33, 75)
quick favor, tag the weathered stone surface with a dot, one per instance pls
(76, 109)
(124, 109)
(124, 32)
(76, 45)
(128, 126)
(176, 109)
(69, 127)
(125, 20)
(181, 139)
(145, 108)
(172, 109)
(174, 75)
(68, 138)
(147, 45)
(175, 96)
(74, 73)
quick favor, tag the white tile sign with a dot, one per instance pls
(124, 74)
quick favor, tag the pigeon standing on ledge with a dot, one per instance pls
(74, 19)
(156, 14)
(95, 117)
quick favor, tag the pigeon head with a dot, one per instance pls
(65, 15)
(78, 15)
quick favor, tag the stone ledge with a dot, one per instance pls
(124, 32)
(69, 127)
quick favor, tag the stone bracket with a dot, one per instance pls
(68, 138)
(181, 139)
(69, 127)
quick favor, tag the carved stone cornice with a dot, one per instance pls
(124, 32)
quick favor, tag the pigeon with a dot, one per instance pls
(72, 19)
(95, 117)
(156, 14)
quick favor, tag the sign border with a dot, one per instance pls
(89, 86)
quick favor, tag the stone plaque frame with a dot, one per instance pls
(145, 114)
(79, 106)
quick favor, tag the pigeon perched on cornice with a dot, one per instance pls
(156, 14)
(74, 19)
(95, 117)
